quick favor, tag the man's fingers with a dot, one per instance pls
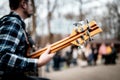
(48, 49)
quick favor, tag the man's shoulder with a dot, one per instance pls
(12, 17)
(9, 18)
(9, 21)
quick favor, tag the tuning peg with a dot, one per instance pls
(88, 25)
(82, 37)
(76, 24)
(78, 42)
(81, 29)
(90, 39)
(87, 21)
(88, 34)
(76, 30)
(80, 26)
(81, 23)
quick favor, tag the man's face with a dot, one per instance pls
(28, 11)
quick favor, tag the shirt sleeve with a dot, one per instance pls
(10, 35)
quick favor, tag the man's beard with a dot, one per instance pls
(28, 14)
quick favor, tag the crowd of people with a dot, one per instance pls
(105, 53)
(88, 55)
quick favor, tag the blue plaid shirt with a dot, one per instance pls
(13, 45)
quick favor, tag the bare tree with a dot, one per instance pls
(114, 18)
(80, 8)
(33, 17)
(49, 17)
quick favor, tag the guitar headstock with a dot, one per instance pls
(84, 32)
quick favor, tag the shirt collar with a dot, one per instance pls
(15, 14)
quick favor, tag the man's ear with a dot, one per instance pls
(23, 5)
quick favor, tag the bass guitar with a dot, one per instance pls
(80, 34)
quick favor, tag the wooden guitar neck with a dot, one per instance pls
(54, 47)
(94, 29)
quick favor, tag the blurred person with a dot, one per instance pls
(102, 51)
(57, 61)
(14, 43)
(83, 59)
(108, 55)
(88, 54)
(68, 56)
(95, 52)
(48, 65)
(113, 54)
(74, 56)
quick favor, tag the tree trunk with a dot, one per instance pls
(33, 18)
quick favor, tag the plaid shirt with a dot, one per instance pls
(13, 45)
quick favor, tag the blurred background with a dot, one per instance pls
(53, 20)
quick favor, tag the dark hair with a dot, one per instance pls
(14, 4)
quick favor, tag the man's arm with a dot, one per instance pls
(10, 35)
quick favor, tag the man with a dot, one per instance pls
(14, 43)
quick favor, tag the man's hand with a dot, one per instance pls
(45, 57)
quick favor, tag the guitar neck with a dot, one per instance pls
(57, 46)
(54, 47)
(94, 29)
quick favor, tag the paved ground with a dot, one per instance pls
(100, 72)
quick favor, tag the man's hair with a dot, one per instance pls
(14, 4)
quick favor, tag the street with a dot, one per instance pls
(99, 72)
